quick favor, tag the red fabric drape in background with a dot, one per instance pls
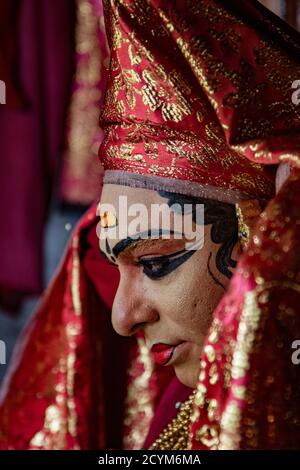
(9, 10)
(38, 43)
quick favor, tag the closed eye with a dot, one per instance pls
(159, 266)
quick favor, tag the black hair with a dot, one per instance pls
(224, 230)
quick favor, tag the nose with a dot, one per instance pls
(132, 309)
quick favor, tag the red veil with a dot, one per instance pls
(73, 381)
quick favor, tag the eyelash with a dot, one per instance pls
(150, 270)
(166, 264)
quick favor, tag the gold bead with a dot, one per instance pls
(175, 436)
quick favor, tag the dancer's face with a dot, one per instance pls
(165, 290)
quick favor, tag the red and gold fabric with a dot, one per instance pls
(210, 114)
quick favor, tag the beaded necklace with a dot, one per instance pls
(176, 435)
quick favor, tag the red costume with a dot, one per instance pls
(198, 102)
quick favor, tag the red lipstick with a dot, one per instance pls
(162, 353)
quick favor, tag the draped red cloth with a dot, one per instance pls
(80, 169)
(8, 51)
(253, 401)
(36, 49)
(74, 398)
(244, 61)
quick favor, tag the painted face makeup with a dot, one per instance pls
(166, 291)
(155, 267)
(159, 266)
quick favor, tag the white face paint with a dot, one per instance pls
(165, 290)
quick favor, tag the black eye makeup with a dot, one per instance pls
(159, 266)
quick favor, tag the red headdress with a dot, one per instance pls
(189, 100)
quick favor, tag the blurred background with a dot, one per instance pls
(53, 61)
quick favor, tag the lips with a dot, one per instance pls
(162, 353)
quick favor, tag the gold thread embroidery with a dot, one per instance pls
(139, 401)
(231, 418)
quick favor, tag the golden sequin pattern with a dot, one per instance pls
(154, 88)
(53, 434)
(83, 120)
(139, 406)
(231, 417)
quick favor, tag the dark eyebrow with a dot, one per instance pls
(127, 242)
